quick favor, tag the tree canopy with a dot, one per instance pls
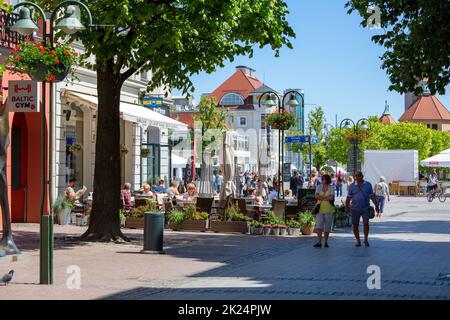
(415, 36)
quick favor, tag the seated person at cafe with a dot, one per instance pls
(160, 188)
(252, 195)
(70, 192)
(273, 194)
(172, 191)
(147, 191)
(126, 196)
(191, 194)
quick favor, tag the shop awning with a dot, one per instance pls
(132, 112)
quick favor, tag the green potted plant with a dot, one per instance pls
(307, 221)
(135, 219)
(276, 223)
(293, 227)
(256, 227)
(43, 63)
(283, 228)
(63, 208)
(267, 229)
(188, 219)
(341, 217)
(232, 221)
(123, 218)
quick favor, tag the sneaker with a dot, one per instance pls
(326, 245)
(318, 245)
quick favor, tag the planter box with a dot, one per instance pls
(190, 225)
(267, 231)
(275, 231)
(256, 231)
(293, 231)
(134, 223)
(282, 231)
(229, 226)
(306, 231)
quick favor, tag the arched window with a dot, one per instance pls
(231, 99)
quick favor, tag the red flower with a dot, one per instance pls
(56, 60)
(16, 58)
(43, 51)
(52, 53)
(51, 78)
(67, 52)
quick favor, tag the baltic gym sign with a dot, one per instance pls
(23, 96)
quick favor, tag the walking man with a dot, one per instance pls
(382, 192)
(360, 193)
(339, 182)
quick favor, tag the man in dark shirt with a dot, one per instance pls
(295, 183)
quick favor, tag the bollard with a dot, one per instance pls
(153, 232)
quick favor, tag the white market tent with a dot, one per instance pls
(440, 160)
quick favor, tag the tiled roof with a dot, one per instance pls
(426, 107)
(239, 83)
(387, 119)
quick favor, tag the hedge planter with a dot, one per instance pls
(190, 225)
(275, 231)
(306, 231)
(229, 226)
(257, 231)
(293, 231)
(134, 223)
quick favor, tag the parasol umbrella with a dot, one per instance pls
(228, 186)
(263, 159)
(206, 187)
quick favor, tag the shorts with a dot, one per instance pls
(356, 216)
(324, 221)
(429, 188)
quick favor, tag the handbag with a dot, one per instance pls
(371, 209)
(316, 209)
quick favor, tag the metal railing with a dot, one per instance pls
(9, 38)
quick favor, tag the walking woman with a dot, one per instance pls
(324, 219)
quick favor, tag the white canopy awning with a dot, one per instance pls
(132, 112)
(440, 160)
(180, 162)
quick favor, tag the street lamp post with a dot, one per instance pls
(291, 103)
(69, 24)
(361, 124)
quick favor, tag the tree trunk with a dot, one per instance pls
(104, 222)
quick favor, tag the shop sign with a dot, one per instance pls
(23, 96)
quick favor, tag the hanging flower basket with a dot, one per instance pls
(357, 137)
(74, 147)
(43, 63)
(123, 150)
(280, 120)
(145, 152)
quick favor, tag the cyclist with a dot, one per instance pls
(432, 183)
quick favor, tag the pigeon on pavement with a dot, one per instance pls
(7, 277)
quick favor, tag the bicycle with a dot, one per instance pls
(437, 193)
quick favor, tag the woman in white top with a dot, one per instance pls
(381, 192)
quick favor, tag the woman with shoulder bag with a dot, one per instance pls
(324, 218)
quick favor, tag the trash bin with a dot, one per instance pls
(153, 232)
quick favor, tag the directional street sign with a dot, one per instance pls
(301, 139)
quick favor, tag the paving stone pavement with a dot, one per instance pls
(409, 244)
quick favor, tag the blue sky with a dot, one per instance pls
(333, 60)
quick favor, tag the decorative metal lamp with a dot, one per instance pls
(25, 25)
(70, 23)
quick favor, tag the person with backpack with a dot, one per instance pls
(340, 178)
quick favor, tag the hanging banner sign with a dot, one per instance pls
(23, 96)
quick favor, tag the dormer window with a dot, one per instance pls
(231, 99)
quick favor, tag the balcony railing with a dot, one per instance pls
(9, 38)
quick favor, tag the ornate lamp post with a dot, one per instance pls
(291, 103)
(69, 24)
(360, 126)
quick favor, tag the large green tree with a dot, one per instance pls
(173, 39)
(416, 37)
(316, 123)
